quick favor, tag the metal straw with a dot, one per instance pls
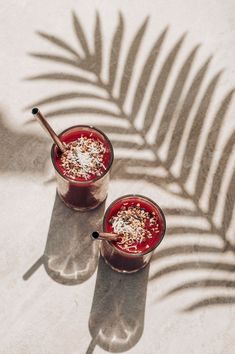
(106, 236)
(42, 120)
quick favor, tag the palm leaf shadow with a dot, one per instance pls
(160, 84)
(115, 53)
(175, 96)
(188, 105)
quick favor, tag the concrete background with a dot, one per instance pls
(56, 295)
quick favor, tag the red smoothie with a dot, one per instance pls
(82, 171)
(140, 224)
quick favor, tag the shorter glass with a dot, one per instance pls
(84, 194)
(126, 261)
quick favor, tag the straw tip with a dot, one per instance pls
(95, 234)
(35, 110)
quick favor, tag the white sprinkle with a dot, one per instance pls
(83, 158)
(130, 224)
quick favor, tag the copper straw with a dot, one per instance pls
(106, 236)
(42, 120)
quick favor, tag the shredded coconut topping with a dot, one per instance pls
(134, 225)
(83, 158)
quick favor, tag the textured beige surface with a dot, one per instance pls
(56, 296)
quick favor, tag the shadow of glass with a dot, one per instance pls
(117, 315)
(70, 255)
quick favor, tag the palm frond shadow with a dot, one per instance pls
(186, 117)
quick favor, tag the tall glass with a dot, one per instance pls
(83, 194)
(129, 261)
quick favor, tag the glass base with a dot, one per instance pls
(122, 264)
(123, 271)
(80, 208)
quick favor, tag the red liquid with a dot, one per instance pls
(80, 193)
(133, 259)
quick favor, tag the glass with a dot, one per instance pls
(131, 261)
(83, 194)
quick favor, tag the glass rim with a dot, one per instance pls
(94, 179)
(126, 196)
